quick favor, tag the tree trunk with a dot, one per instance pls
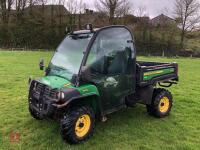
(5, 11)
(182, 39)
(111, 18)
(79, 21)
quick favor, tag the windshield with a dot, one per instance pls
(68, 56)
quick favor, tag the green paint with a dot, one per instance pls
(58, 82)
(88, 89)
(54, 81)
(151, 74)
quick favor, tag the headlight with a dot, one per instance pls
(60, 95)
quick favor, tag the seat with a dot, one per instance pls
(118, 64)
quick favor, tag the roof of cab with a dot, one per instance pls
(96, 29)
(84, 31)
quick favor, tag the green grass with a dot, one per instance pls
(130, 129)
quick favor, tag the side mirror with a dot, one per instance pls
(41, 64)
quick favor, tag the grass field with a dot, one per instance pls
(130, 129)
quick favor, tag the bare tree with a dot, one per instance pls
(188, 13)
(81, 7)
(5, 8)
(35, 2)
(43, 3)
(125, 9)
(61, 11)
(75, 8)
(72, 7)
(111, 7)
(20, 6)
(141, 11)
(31, 3)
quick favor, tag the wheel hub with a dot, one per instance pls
(82, 125)
(164, 104)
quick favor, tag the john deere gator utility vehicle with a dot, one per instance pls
(93, 73)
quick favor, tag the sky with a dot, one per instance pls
(153, 7)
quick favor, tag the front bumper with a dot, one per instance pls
(42, 99)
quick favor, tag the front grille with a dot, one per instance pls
(50, 92)
(41, 98)
(47, 91)
(53, 93)
(38, 87)
(44, 90)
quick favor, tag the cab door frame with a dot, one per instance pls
(87, 52)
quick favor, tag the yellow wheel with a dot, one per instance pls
(164, 104)
(161, 103)
(78, 125)
(82, 125)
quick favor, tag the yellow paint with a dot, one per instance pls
(164, 104)
(82, 125)
(152, 73)
(68, 84)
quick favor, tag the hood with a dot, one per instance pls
(55, 82)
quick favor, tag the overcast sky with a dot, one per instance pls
(153, 7)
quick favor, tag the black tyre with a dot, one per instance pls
(78, 125)
(161, 103)
(35, 114)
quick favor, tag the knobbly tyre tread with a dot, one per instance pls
(158, 94)
(67, 129)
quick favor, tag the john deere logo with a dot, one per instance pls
(110, 82)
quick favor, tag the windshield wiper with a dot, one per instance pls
(60, 76)
(59, 68)
(55, 67)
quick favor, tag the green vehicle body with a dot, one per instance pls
(87, 90)
(103, 79)
(90, 90)
(59, 83)
(153, 74)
